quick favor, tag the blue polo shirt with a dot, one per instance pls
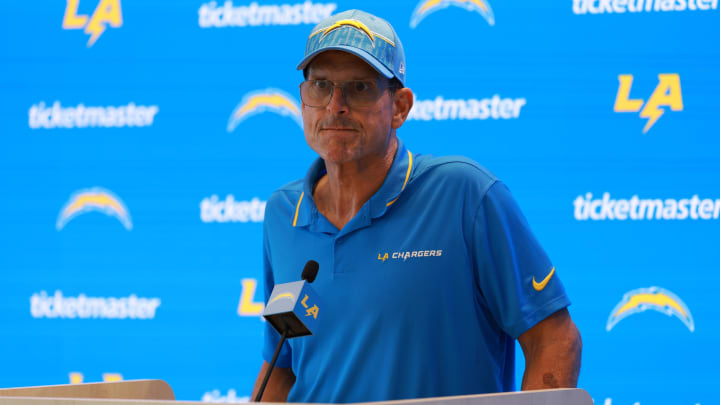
(424, 290)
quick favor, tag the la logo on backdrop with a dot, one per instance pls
(107, 12)
(266, 100)
(427, 7)
(247, 305)
(667, 93)
(79, 378)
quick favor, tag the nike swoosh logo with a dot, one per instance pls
(541, 285)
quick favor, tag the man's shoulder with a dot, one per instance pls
(453, 169)
(285, 196)
(295, 186)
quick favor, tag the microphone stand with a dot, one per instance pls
(258, 396)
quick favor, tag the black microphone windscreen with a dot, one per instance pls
(310, 271)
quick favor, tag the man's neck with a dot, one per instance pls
(341, 193)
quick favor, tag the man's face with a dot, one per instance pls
(341, 134)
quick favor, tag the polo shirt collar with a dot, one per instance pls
(395, 182)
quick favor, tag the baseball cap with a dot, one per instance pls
(369, 37)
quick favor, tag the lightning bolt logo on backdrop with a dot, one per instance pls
(427, 7)
(654, 298)
(260, 101)
(94, 199)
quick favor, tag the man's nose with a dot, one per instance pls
(337, 102)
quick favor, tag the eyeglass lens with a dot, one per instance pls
(357, 93)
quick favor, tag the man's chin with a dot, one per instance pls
(338, 157)
(339, 148)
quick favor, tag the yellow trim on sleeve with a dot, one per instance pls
(297, 209)
(407, 176)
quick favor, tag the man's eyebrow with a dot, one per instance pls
(316, 74)
(363, 77)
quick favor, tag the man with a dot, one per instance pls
(428, 271)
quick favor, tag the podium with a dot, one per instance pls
(158, 392)
(134, 389)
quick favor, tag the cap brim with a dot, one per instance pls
(369, 59)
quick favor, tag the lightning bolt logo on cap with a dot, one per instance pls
(355, 24)
(368, 37)
(94, 199)
(427, 7)
(654, 298)
(260, 101)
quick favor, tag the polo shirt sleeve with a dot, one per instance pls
(511, 266)
(272, 337)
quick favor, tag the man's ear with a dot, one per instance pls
(402, 103)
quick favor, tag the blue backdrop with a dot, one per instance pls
(139, 142)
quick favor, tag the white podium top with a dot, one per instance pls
(157, 392)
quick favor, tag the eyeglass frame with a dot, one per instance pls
(341, 84)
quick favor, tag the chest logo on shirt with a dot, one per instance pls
(541, 285)
(409, 254)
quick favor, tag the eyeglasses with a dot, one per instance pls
(357, 93)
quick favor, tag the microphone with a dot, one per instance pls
(293, 307)
(310, 271)
(292, 310)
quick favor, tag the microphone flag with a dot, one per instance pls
(294, 308)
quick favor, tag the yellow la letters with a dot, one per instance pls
(667, 93)
(106, 12)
